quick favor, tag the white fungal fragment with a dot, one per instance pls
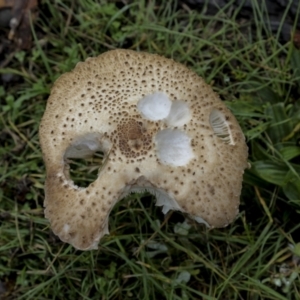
(220, 126)
(201, 221)
(173, 147)
(84, 146)
(155, 107)
(167, 203)
(163, 199)
(66, 228)
(179, 114)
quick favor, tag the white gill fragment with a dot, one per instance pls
(183, 277)
(182, 228)
(162, 198)
(173, 147)
(220, 126)
(201, 221)
(179, 114)
(155, 106)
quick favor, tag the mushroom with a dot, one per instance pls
(161, 128)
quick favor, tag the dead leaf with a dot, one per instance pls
(22, 12)
(6, 3)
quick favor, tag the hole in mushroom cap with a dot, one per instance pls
(154, 107)
(220, 126)
(173, 147)
(84, 157)
(84, 171)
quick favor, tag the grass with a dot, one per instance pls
(147, 255)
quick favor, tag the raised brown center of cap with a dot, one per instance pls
(133, 138)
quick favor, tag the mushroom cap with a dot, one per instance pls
(99, 106)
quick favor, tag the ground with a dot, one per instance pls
(252, 66)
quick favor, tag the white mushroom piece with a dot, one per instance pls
(161, 128)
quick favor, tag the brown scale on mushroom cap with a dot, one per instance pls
(96, 105)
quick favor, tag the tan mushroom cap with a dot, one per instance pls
(95, 107)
